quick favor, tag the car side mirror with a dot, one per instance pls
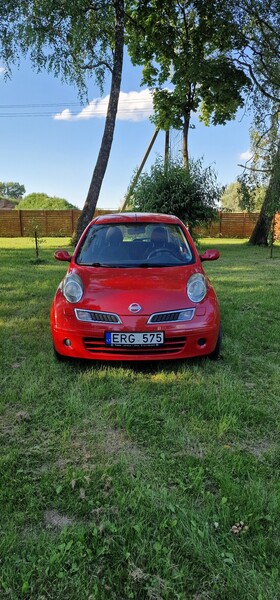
(62, 255)
(209, 255)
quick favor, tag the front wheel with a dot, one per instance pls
(216, 352)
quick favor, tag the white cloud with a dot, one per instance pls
(65, 115)
(246, 155)
(133, 106)
(2, 70)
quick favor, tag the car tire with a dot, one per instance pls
(216, 352)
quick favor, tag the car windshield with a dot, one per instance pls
(135, 245)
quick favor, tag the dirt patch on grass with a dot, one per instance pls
(91, 447)
(57, 520)
(259, 449)
(196, 450)
(117, 442)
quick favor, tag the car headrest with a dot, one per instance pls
(159, 235)
(114, 236)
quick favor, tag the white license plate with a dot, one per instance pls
(134, 339)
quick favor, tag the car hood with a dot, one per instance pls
(155, 289)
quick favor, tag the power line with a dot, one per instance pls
(61, 104)
(40, 105)
(91, 115)
(89, 111)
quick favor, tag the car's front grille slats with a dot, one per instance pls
(172, 345)
(104, 317)
(163, 317)
(97, 317)
(172, 315)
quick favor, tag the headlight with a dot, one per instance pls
(196, 287)
(72, 288)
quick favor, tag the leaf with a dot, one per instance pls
(157, 546)
(24, 587)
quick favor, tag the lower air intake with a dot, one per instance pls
(172, 345)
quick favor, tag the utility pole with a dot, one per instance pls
(135, 179)
(166, 148)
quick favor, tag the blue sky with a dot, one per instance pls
(56, 153)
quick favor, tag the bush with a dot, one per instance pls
(192, 194)
(40, 201)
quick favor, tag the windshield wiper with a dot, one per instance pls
(109, 265)
(98, 264)
(156, 265)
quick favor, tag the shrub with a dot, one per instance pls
(191, 194)
(40, 201)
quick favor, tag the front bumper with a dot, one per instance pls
(77, 339)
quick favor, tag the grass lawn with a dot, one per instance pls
(157, 481)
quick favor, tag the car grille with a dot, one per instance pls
(163, 317)
(173, 315)
(172, 345)
(99, 317)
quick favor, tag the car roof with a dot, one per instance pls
(136, 217)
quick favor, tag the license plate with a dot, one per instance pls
(134, 339)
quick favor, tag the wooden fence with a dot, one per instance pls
(48, 223)
(52, 223)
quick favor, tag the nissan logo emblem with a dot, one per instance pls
(135, 308)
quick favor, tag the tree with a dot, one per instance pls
(73, 40)
(192, 194)
(11, 190)
(262, 173)
(270, 205)
(39, 201)
(104, 153)
(188, 45)
(259, 24)
(242, 195)
(230, 198)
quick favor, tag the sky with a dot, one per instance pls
(49, 142)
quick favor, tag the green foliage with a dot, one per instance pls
(192, 194)
(38, 201)
(250, 194)
(75, 41)
(11, 190)
(259, 23)
(188, 46)
(242, 195)
(230, 198)
(69, 39)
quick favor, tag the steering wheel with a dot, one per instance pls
(161, 251)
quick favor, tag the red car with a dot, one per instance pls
(136, 290)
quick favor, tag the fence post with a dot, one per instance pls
(20, 223)
(46, 223)
(72, 222)
(220, 223)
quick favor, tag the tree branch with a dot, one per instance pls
(256, 82)
(254, 169)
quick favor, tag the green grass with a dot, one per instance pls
(124, 481)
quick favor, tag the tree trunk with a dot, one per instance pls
(271, 203)
(261, 230)
(107, 139)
